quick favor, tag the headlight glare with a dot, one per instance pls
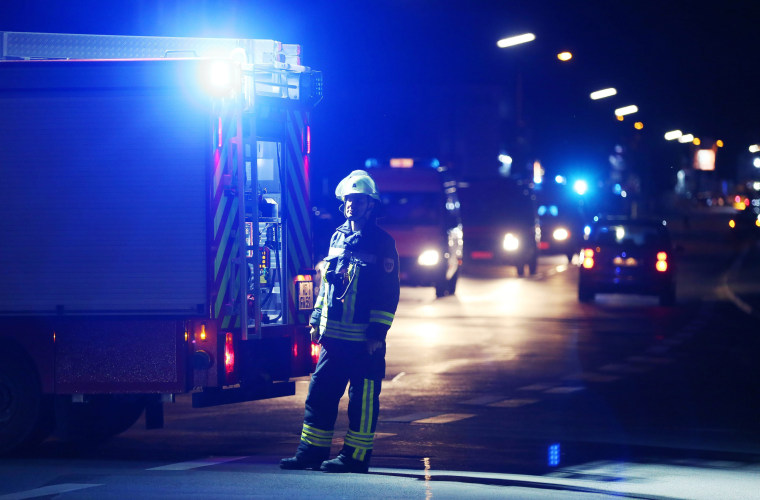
(429, 258)
(511, 243)
(561, 234)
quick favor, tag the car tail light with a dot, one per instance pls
(587, 258)
(662, 262)
(229, 354)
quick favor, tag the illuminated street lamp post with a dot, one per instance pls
(511, 42)
(515, 40)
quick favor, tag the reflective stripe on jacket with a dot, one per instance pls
(360, 285)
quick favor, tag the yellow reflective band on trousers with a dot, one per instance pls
(363, 439)
(316, 437)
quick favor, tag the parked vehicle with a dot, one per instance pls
(155, 226)
(630, 256)
(421, 212)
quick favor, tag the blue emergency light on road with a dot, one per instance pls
(553, 459)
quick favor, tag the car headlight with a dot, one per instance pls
(511, 243)
(561, 234)
(429, 258)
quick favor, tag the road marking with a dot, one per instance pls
(445, 418)
(593, 377)
(513, 403)
(398, 377)
(535, 387)
(195, 464)
(47, 491)
(564, 390)
(405, 419)
(483, 400)
(337, 440)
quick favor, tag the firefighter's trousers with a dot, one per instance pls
(342, 363)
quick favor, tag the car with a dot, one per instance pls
(500, 223)
(561, 231)
(627, 256)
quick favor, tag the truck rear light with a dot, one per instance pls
(229, 354)
(662, 262)
(315, 350)
(587, 258)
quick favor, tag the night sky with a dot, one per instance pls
(423, 78)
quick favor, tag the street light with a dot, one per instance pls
(686, 138)
(601, 94)
(515, 40)
(672, 135)
(626, 110)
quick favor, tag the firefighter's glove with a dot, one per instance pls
(373, 345)
(314, 332)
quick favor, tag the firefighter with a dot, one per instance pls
(354, 309)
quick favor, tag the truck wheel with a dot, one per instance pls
(452, 285)
(441, 289)
(533, 265)
(25, 413)
(520, 269)
(99, 418)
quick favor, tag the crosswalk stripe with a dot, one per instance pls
(513, 403)
(405, 419)
(564, 390)
(445, 418)
(535, 387)
(195, 464)
(46, 491)
(482, 400)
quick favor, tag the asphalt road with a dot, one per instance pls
(509, 388)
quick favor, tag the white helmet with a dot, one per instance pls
(357, 182)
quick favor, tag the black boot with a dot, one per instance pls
(344, 463)
(301, 462)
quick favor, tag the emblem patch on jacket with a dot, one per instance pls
(388, 264)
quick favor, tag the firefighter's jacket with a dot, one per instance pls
(360, 285)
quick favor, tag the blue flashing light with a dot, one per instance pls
(370, 162)
(580, 186)
(554, 451)
(435, 163)
(218, 77)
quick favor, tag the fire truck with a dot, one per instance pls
(155, 222)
